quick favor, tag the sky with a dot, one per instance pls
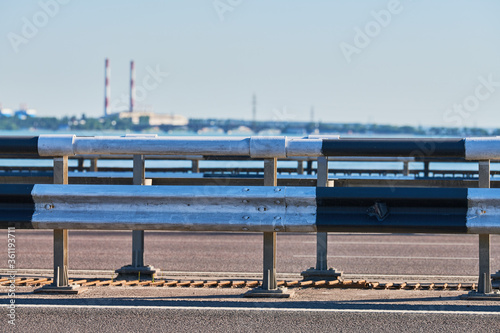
(420, 62)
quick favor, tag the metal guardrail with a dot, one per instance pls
(256, 147)
(252, 209)
(270, 149)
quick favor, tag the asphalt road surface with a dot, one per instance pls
(151, 309)
(393, 254)
(138, 309)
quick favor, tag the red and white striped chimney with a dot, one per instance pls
(107, 89)
(132, 86)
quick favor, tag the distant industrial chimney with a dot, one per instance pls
(107, 90)
(132, 86)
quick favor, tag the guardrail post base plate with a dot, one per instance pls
(67, 290)
(477, 296)
(495, 280)
(269, 287)
(131, 273)
(313, 274)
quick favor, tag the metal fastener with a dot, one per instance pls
(49, 206)
(246, 217)
(262, 209)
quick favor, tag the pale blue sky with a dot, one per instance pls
(429, 57)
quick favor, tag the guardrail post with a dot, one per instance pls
(484, 287)
(321, 272)
(81, 161)
(322, 237)
(195, 166)
(269, 286)
(139, 174)
(484, 251)
(426, 169)
(484, 284)
(137, 267)
(61, 236)
(60, 283)
(300, 167)
(406, 168)
(60, 258)
(269, 280)
(309, 167)
(93, 164)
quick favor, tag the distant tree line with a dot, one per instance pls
(85, 123)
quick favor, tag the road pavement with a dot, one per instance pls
(408, 254)
(161, 309)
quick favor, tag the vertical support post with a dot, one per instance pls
(322, 237)
(131, 272)
(269, 281)
(309, 167)
(300, 167)
(137, 248)
(484, 174)
(484, 283)
(426, 168)
(61, 235)
(406, 168)
(271, 172)
(61, 170)
(139, 170)
(195, 166)
(60, 284)
(81, 161)
(93, 164)
(61, 278)
(321, 271)
(139, 175)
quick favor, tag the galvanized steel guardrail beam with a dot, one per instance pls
(486, 148)
(255, 209)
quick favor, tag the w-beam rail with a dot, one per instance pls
(256, 147)
(250, 209)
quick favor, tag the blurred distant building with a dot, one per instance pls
(22, 113)
(153, 119)
(4, 112)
